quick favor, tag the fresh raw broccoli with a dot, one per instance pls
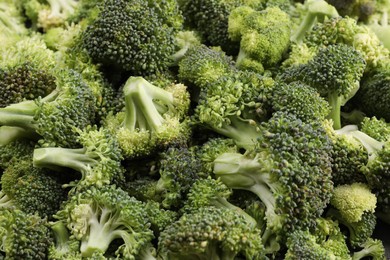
(354, 206)
(349, 155)
(299, 54)
(378, 21)
(358, 9)
(23, 236)
(30, 189)
(12, 25)
(202, 65)
(184, 41)
(21, 149)
(264, 36)
(210, 192)
(136, 36)
(373, 94)
(179, 169)
(289, 170)
(72, 105)
(378, 129)
(373, 248)
(234, 105)
(299, 99)
(63, 246)
(46, 14)
(325, 242)
(98, 160)
(98, 216)
(345, 30)
(312, 12)
(334, 72)
(153, 117)
(28, 71)
(210, 19)
(211, 233)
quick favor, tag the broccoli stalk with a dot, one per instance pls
(371, 248)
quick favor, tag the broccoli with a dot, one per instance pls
(358, 9)
(325, 242)
(211, 233)
(345, 30)
(20, 149)
(153, 117)
(290, 164)
(98, 216)
(63, 246)
(354, 206)
(335, 72)
(136, 37)
(23, 236)
(47, 14)
(378, 129)
(12, 27)
(264, 36)
(378, 21)
(28, 71)
(98, 160)
(72, 105)
(371, 248)
(30, 189)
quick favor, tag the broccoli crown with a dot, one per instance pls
(27, 71)
(290, 164)
(358, 9)
(98, 216)
(353, 200)
(346, 30)
(179, 169)
(137, 37)
(153, 117)
(63, 246)
(31, 189)
(210, 18)
(264, 35)
(373, 93)
(20, 149)
(298, 54)
(24, 236)
(335, 72)
(202, 65)
(299, 99)
(98, 160)
(211, 233)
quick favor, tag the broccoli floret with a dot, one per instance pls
(21, 149)
(234, 105)
(324, 242)
(12, 26)
(299, 99)
(299, 54)
(313, 11)
(349, 155)
(98, 216)
(136, 37)
(334, 72)
(202, 65)
(63, 246)
(28, 71)
(179, 169)
(211, 192)
(72, 105)
(24, 236)
(30, 189)
(153, 117)
(264, 36)
(290, 164)
(358, 9)
(373, 94)
(184, 41)
(98, 160)
(373, 248)
(378, 129)
(211, 233)
(345, 30)
(378, 21)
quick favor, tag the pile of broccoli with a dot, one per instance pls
(199, 130)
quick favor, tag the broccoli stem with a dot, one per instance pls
(9, 134)
(61, 236)
(141, 110)
(370, 144)
(335, 103)
(58, 157)
(305, 26)
(61, 7)
(5, 200)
